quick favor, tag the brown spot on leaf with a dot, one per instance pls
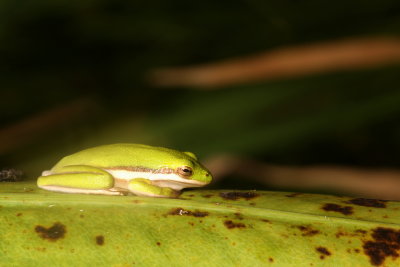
(271, 259)
(366, 202)
(237, 195)
(100, 240)
(294, 195)
(53, 233)
(19, 214)
(386, 243)
(158, 244)
(339, 234)
(180, 211)
(324, 252)
(360, 231)
(307, 230)
(345, 210)
(238, 215)
(230, 224)
(356, 233)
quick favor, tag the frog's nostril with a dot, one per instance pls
(208, 177)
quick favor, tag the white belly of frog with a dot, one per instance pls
(171, 180)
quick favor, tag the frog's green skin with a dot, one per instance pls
(122, 168)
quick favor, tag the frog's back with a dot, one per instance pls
(119, 155)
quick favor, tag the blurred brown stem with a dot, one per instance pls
(285, 62)
(383, 184)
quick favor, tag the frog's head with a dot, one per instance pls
(186, 170)
(193, 170)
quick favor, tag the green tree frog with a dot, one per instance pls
(120, 169)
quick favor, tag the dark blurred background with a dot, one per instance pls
(75, 74)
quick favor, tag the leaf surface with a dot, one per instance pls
(201, 228)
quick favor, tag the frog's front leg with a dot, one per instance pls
(78, 179)
(144, 187)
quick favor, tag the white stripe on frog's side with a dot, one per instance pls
(128, 175)
(47, 173)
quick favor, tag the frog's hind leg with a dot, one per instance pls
(78, 179)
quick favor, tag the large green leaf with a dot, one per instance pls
(201, 228)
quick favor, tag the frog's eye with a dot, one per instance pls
(185, 171)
